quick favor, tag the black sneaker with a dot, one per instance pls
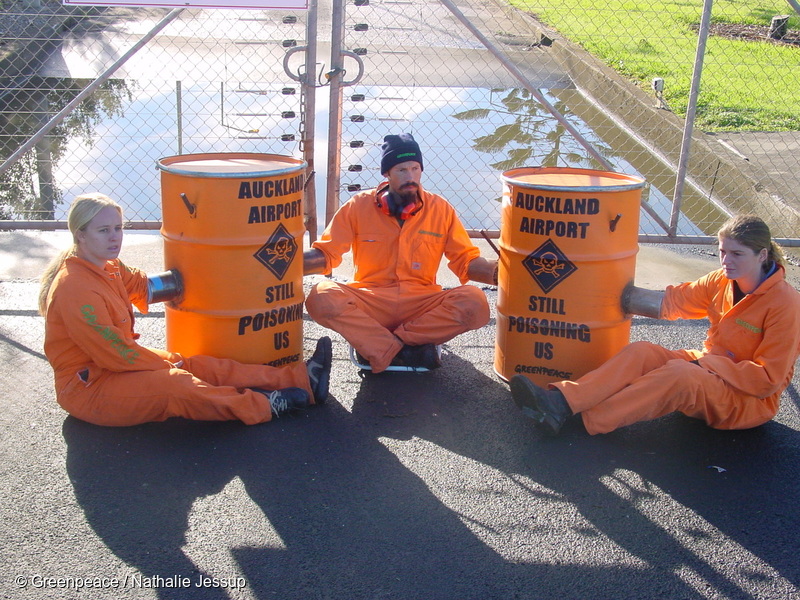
(319, 369)
(547, 407)
(285, 400)
(424, 356)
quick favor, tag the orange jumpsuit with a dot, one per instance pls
(748, 360)
(394, 297)
(104, 377)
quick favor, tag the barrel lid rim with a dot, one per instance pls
(167, 167)
(636, 182)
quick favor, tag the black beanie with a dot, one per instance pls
(397, 149)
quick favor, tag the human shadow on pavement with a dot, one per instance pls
(353, 522)
(360, 497)
(137, 485)
(739, 488)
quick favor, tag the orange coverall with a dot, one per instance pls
(394, 293)
(104, 377)
(748, 360)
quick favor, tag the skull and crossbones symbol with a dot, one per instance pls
(548, 263)
(280, 251)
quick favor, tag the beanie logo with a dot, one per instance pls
(404, 154)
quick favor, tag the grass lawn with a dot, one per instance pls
(746, 85)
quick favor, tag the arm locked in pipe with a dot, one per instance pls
(480, 269)
(483, 271)
(313, 262)
(164, 287)
(639, 301)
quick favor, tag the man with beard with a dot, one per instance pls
(393, 312)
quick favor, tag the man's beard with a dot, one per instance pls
(407, 194)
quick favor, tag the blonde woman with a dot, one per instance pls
(103, 376)
(734, 382)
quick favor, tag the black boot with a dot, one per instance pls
(424, 356)
(319, 369)
(547, 407)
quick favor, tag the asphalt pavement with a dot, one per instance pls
(403, 486)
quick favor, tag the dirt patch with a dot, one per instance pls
(752, 33)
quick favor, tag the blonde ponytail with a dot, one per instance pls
(49, 275)
(776, 254)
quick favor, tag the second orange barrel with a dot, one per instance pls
(568, 245)
(233, 227)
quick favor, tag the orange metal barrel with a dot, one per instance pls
(233, 227)
(568, 245)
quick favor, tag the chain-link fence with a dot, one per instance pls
(209, 81)
(729, 68)
(483, 86)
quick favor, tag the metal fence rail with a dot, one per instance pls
(483, 86)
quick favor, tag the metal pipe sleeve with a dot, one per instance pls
(639, 301)
(164, 287)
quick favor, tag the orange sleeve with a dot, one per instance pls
(337, 239)
(99, 324)
(135, 282)
(459, 249)
(691, 300)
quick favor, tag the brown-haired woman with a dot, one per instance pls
(735, 382)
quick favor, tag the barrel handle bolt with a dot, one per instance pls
(613, 224)
(192, 208)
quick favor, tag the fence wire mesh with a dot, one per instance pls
(211, 81)
(744, 155)
(467, 79)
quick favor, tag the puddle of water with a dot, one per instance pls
(192, 119)
(700, 215)
(469, 136)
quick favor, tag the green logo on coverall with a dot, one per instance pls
(747, 325)
(128, 354)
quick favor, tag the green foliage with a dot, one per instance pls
(746, 84)
(22, 186)
(473, 114)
